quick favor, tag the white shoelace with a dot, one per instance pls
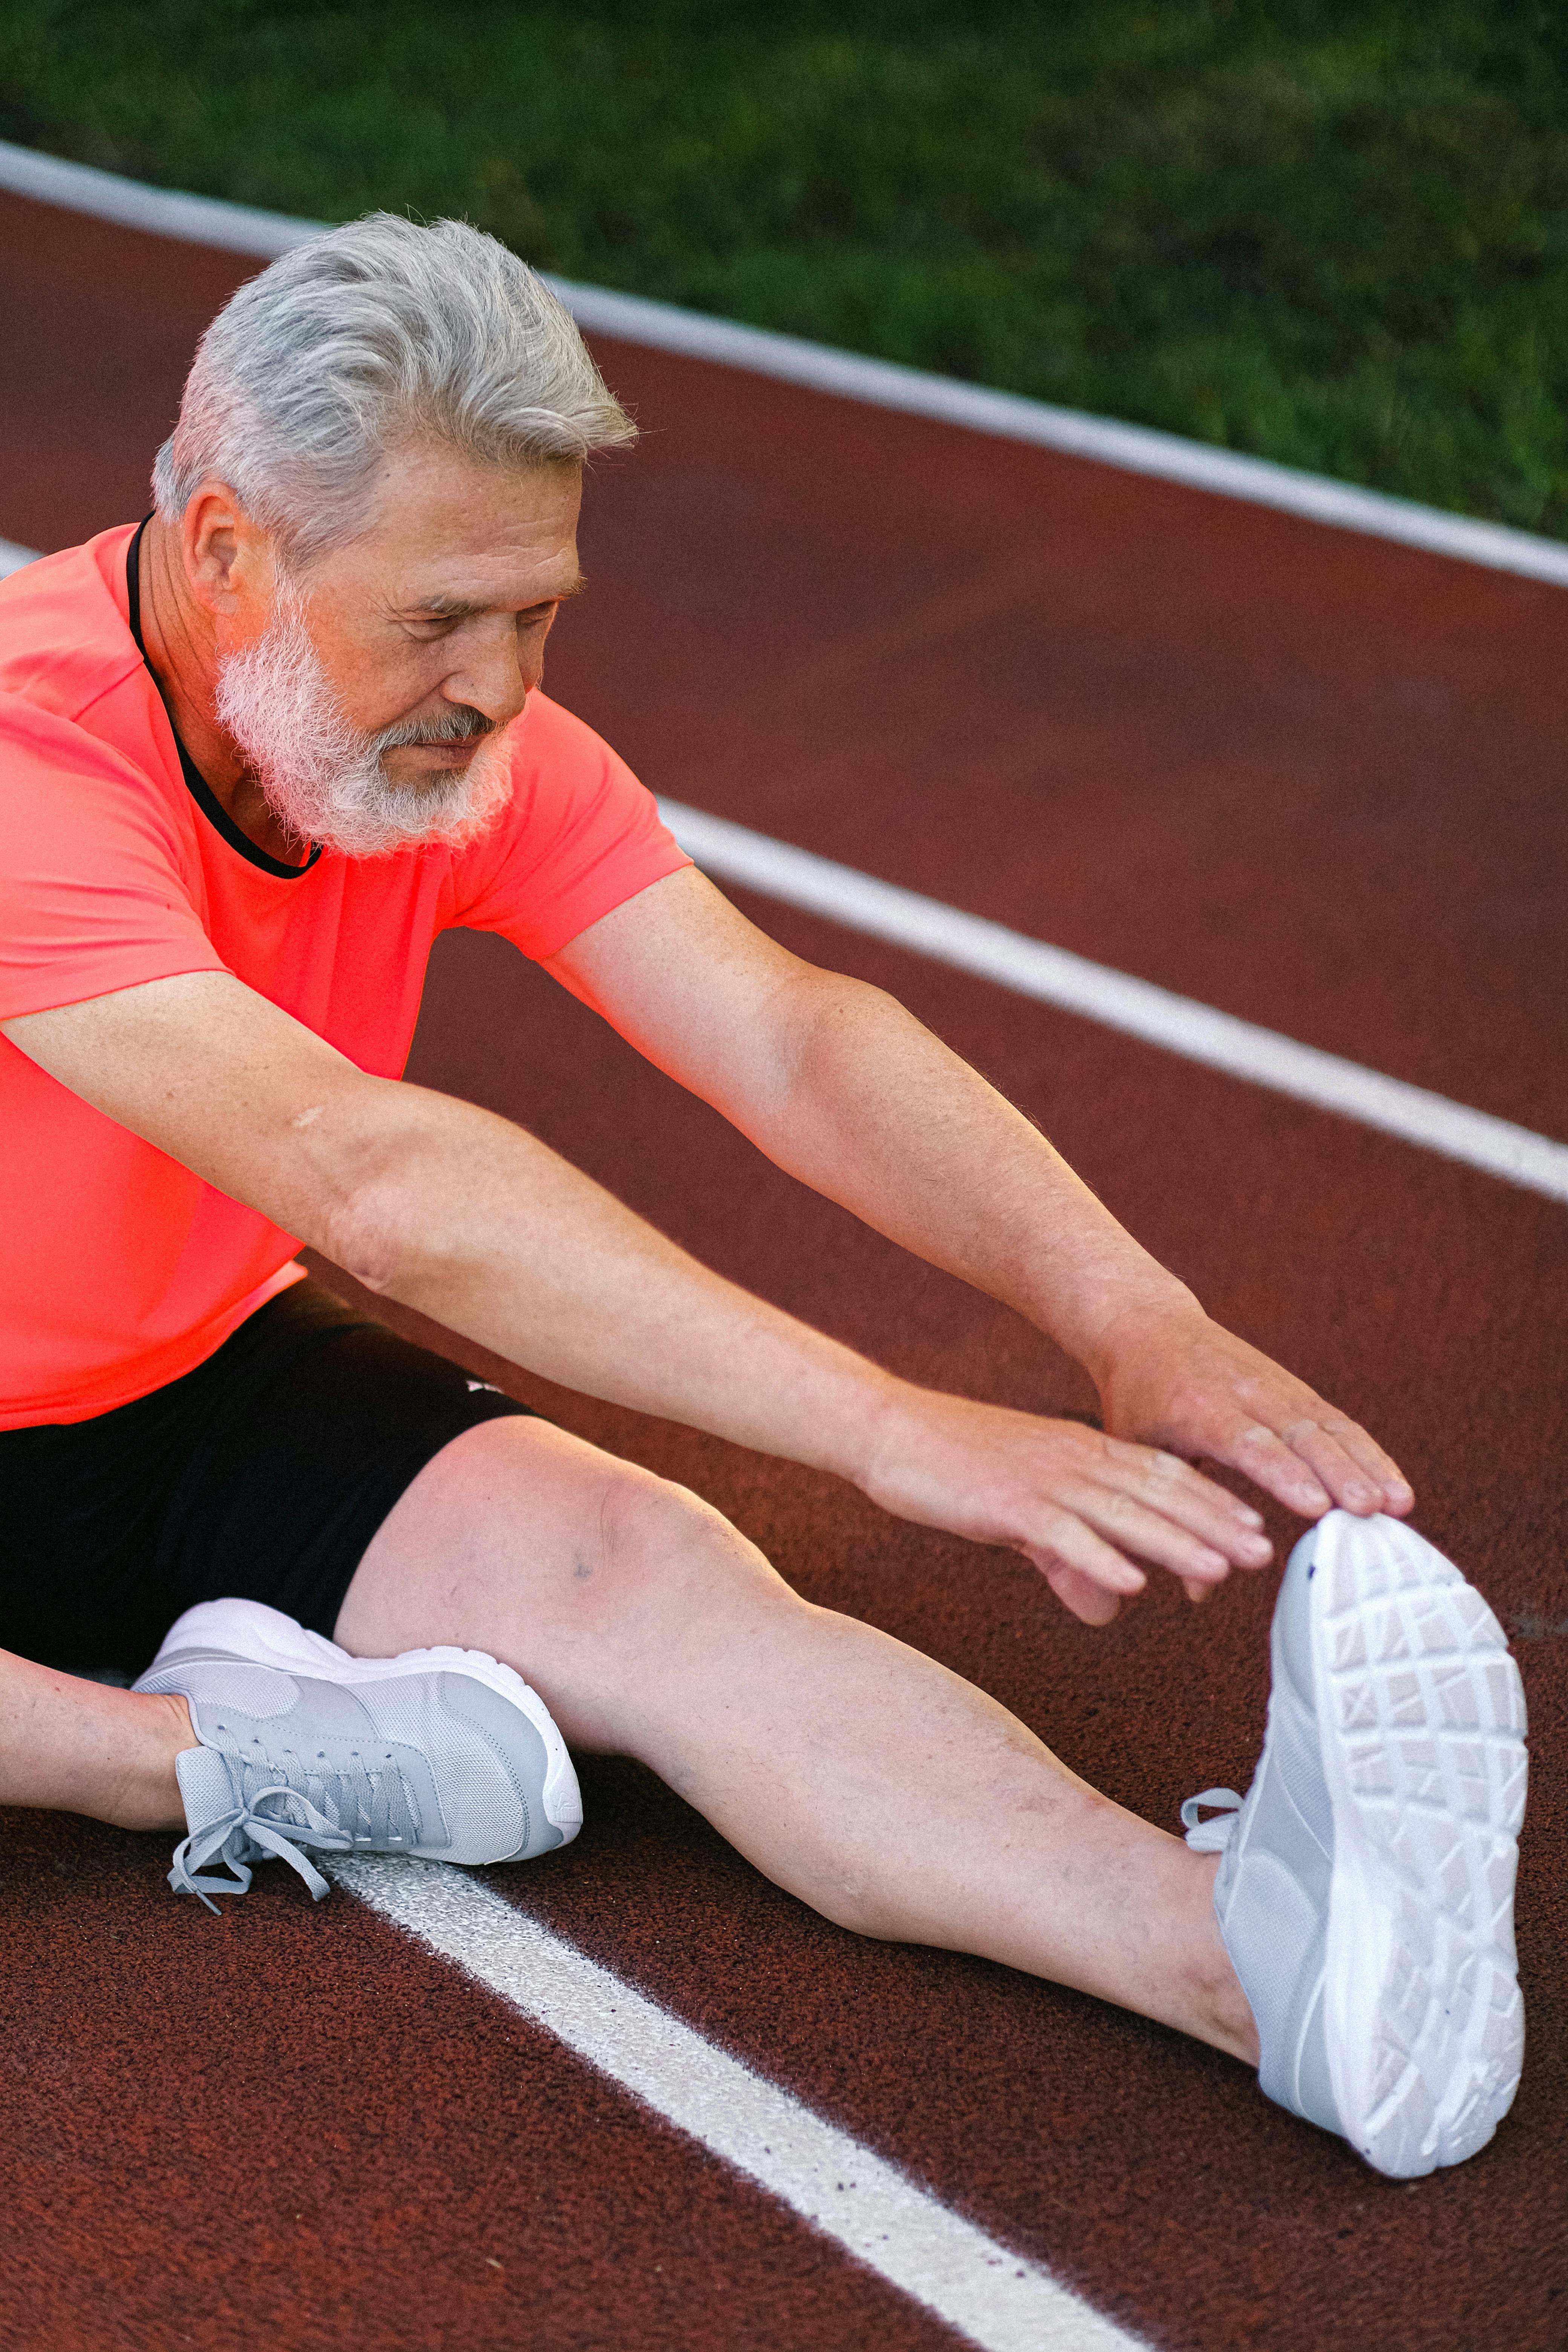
(1210, 1837)
(244, 1827)
(372, 1805)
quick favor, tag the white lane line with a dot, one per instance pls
(877, 2213)
(1134, 448)
(732, 852)
(161, 212)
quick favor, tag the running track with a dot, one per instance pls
(1307, 777)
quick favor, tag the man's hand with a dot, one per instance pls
(1075, 1503)
(1168, 1377)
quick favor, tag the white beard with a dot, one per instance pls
(322, 778)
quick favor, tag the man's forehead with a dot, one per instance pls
(457, 539)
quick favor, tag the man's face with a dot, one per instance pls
(367, 700)
(445, 603)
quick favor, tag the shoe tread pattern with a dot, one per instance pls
(1425, 1707)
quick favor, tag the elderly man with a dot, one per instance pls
(254, 755)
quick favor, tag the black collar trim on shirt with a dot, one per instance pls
(201, 791)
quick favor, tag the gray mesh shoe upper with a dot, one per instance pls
(430, 1761)
(1271, 1894)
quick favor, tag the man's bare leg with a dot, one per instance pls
(878, 1787)
(74, 1746)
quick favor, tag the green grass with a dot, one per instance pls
(1333, 232)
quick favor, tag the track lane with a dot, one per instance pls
(853, 675)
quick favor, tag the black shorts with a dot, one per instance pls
(262, 1476)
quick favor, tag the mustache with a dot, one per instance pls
(461, 724)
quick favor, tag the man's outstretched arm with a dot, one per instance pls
(847, 1090)
(463, 1215)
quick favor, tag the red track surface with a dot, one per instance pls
(1302, 775)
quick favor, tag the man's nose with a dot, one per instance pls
(499, 670)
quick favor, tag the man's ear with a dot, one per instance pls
(228, 556)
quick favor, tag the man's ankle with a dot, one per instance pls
(1231, 2024)
(148, 1797)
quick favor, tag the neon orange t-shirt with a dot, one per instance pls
(118, 1269)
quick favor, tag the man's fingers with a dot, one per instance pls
(1277, 1468)
(1312, 1464)
(1065, 1542)
(1347, 1484)
(1172, 1486)
(1150, 1535)
(1089, 1602)
(1394, 1490)
(1176, 1490)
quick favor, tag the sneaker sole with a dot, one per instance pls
(1422, 1723)
(265, 1634)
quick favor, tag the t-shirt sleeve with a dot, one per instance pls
(581, 835)
(93, 891)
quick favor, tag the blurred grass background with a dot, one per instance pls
(1333, 233)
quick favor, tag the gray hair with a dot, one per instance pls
(368, 336)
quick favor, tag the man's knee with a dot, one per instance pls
(657, 1543)
(660, 1588)
(576, 1566)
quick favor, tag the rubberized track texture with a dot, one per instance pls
(1296, 773)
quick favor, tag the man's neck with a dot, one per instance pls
(182, 651)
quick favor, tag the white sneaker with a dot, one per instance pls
(1366, 1893)
(441, 1753)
